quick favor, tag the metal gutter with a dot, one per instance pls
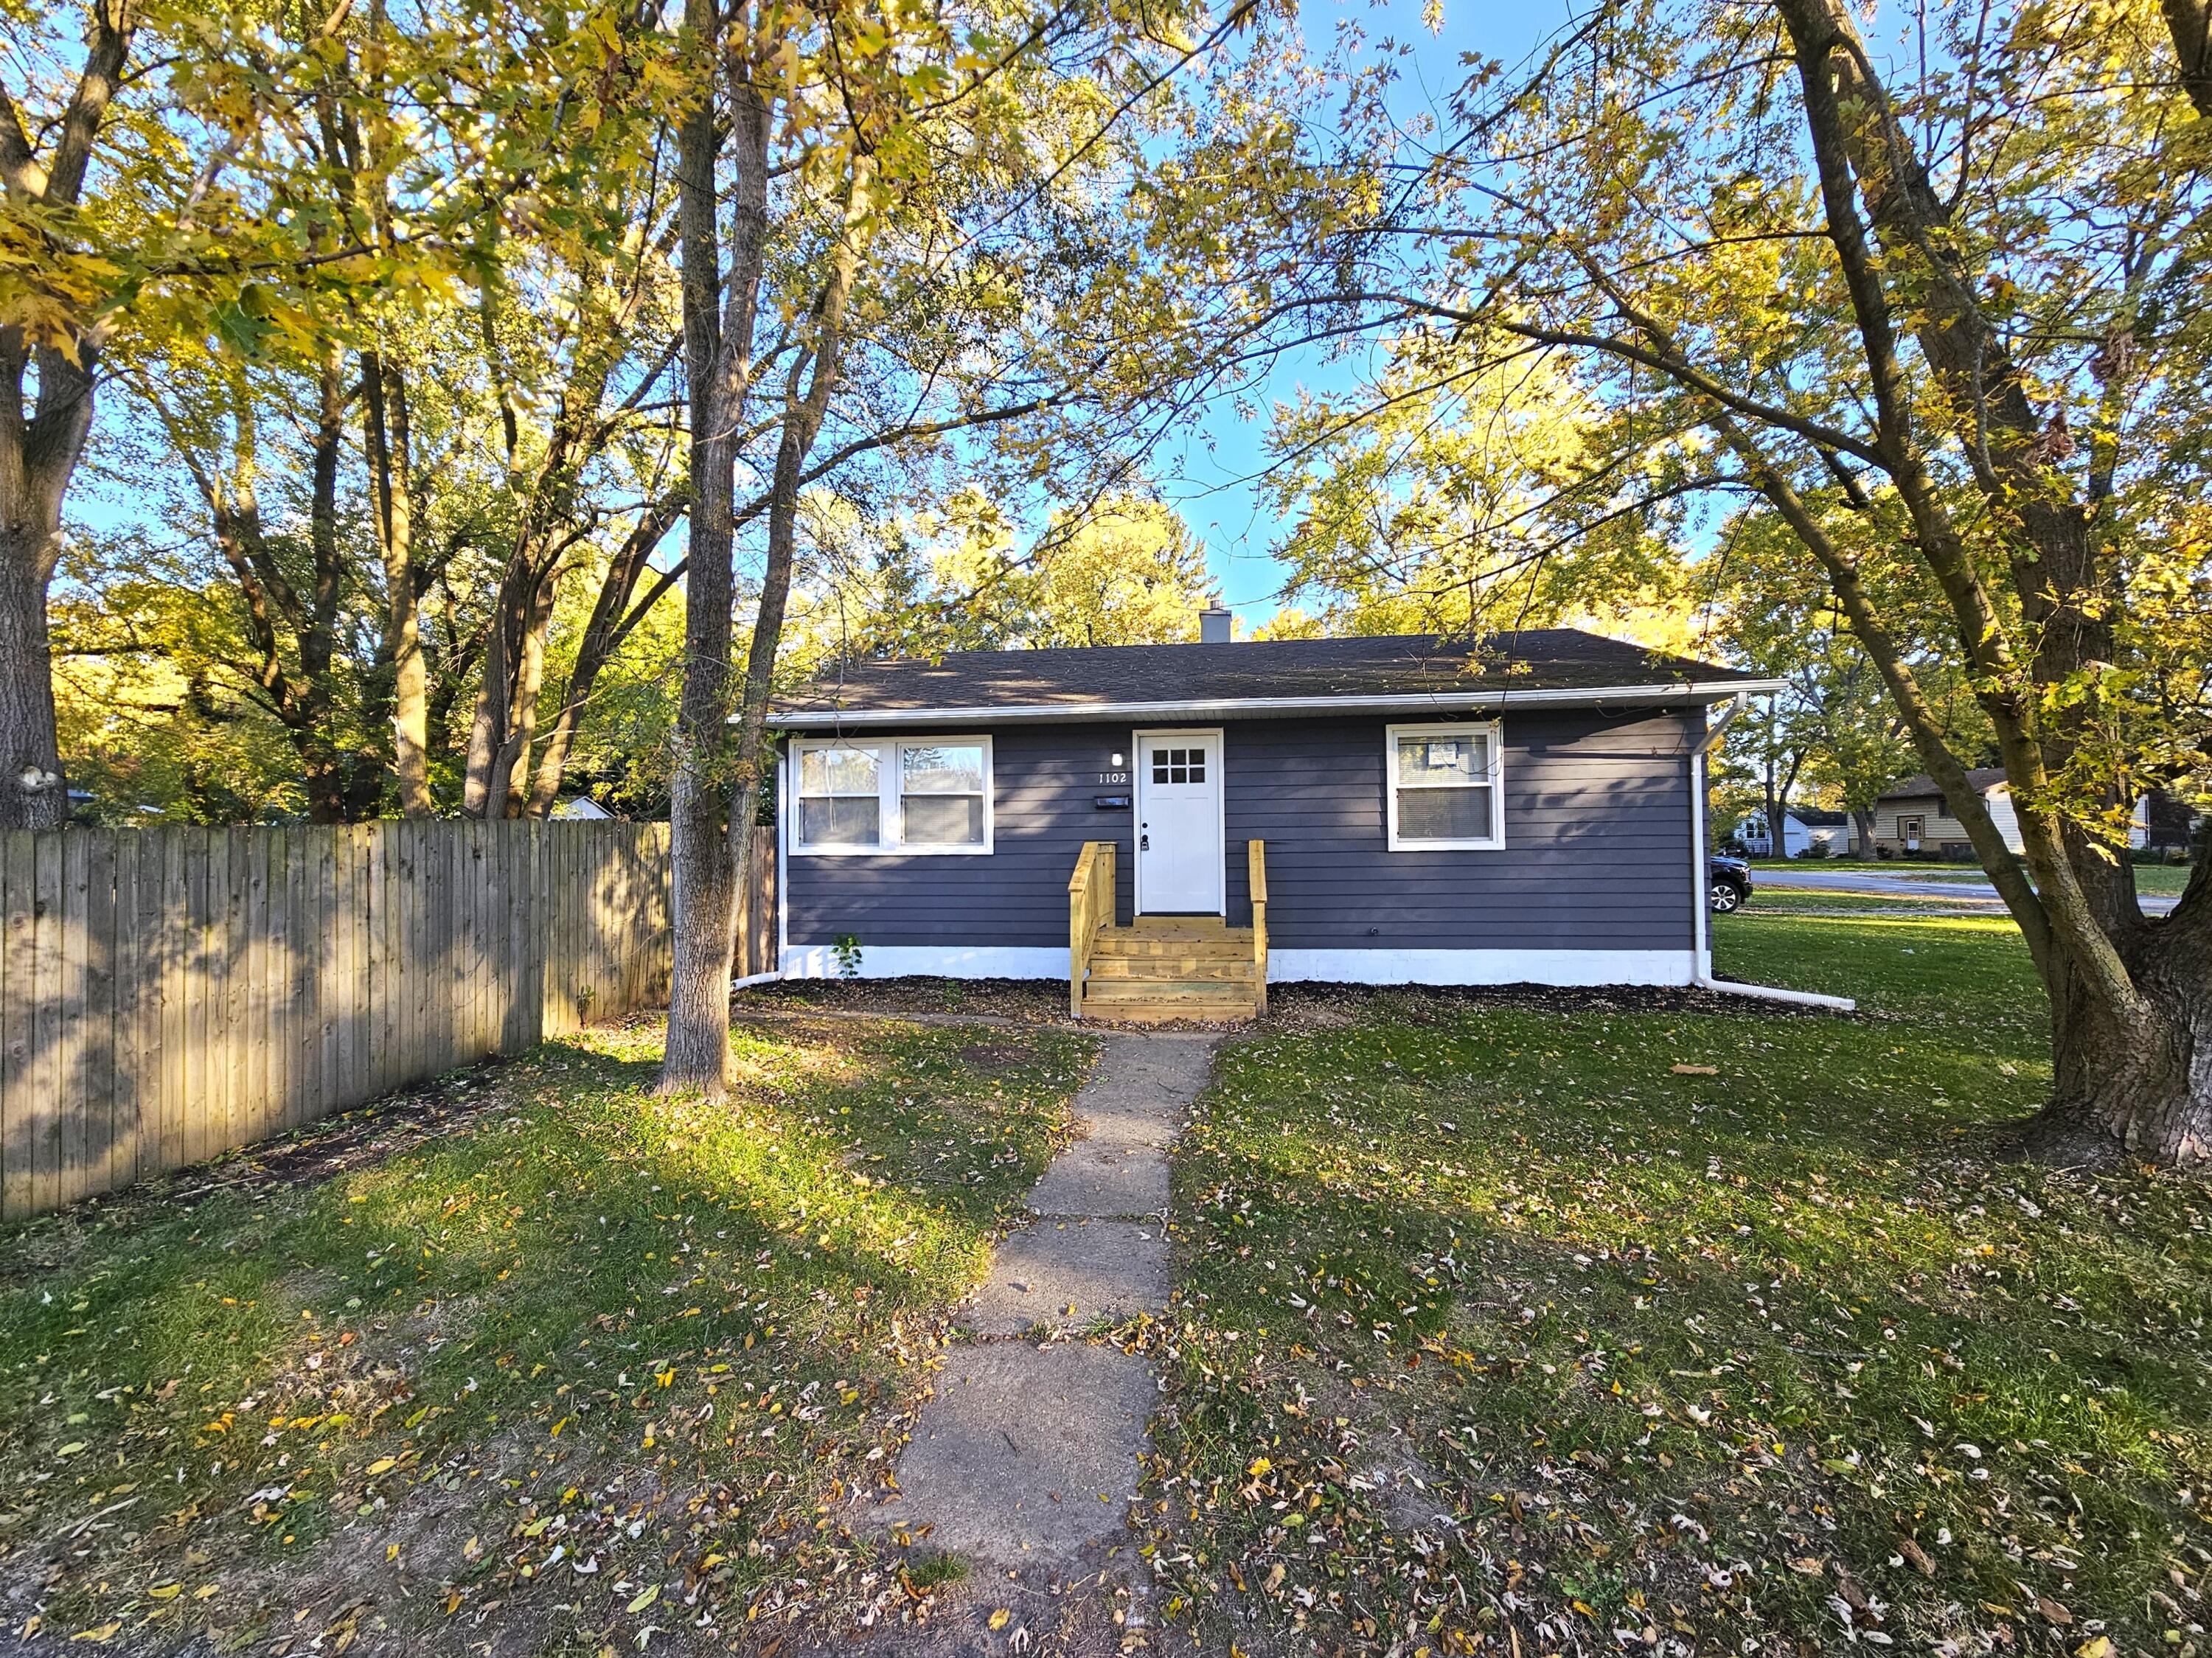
(1269, 707)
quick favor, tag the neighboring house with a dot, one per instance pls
(2162, 823)
(1912, 820)
(1537, 817)
(1802, 828)
(579, 809)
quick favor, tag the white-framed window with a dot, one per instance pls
(855, 796)
(1445, 787)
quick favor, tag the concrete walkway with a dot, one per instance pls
(1025, 1457)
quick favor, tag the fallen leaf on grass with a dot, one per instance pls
(1697, 1069)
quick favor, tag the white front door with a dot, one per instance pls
(1179, 845)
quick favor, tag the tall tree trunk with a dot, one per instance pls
(802, 424)
(389, 445)
(511, 770)
(2138, 1078)
(718, 343)
(2130, 999)
(610, 624)
(1862, 823)
(486, 725)
(39, 447)
(32, 791)
(325, 779)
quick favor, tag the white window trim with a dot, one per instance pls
(889, 819)
(1491, 729)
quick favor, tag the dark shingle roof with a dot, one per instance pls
(1924, 788)
(1413, 668)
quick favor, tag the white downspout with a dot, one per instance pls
(1701, 957)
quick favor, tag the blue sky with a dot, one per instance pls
(1209, 475)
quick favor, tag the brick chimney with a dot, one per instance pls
(1216, 626)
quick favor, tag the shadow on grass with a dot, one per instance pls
(585, 1276)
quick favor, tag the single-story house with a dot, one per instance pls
(1176, 826)
(1911, 819)
(1802, 828)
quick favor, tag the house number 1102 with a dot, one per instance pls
(1113, 777)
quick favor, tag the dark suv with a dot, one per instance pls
(1729, 884)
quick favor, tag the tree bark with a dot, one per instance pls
(388, 441)
(2189, 23)
(2138, 1079)
(40, 449)
(2130, 999)
(610, 624)
(718, 316)
(802, 424)
(32, 792)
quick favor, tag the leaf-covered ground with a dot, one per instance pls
(1516, 1331)
(596, 1371)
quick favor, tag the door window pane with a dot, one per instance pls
(1178, 765)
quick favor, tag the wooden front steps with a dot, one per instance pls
(1176, 967)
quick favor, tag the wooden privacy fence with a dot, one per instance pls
(168, 993)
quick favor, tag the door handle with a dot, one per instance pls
(1143, 843)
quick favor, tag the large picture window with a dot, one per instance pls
(881, 794)
(1445, 787)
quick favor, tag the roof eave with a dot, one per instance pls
(1277, 708)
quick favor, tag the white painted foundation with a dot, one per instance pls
(1351, 967)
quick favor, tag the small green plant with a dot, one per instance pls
(846, 948)
(934, 1570)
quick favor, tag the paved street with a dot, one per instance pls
(1966, 885)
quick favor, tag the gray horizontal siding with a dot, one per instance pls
(1596, 856)
(1045, 779)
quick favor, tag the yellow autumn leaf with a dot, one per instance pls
(1000, 1618)
(382, 1465)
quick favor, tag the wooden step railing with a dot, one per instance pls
(1255, 865)
(1089, 912)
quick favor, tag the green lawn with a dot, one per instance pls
(596, 1365)
(1520, 1331)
